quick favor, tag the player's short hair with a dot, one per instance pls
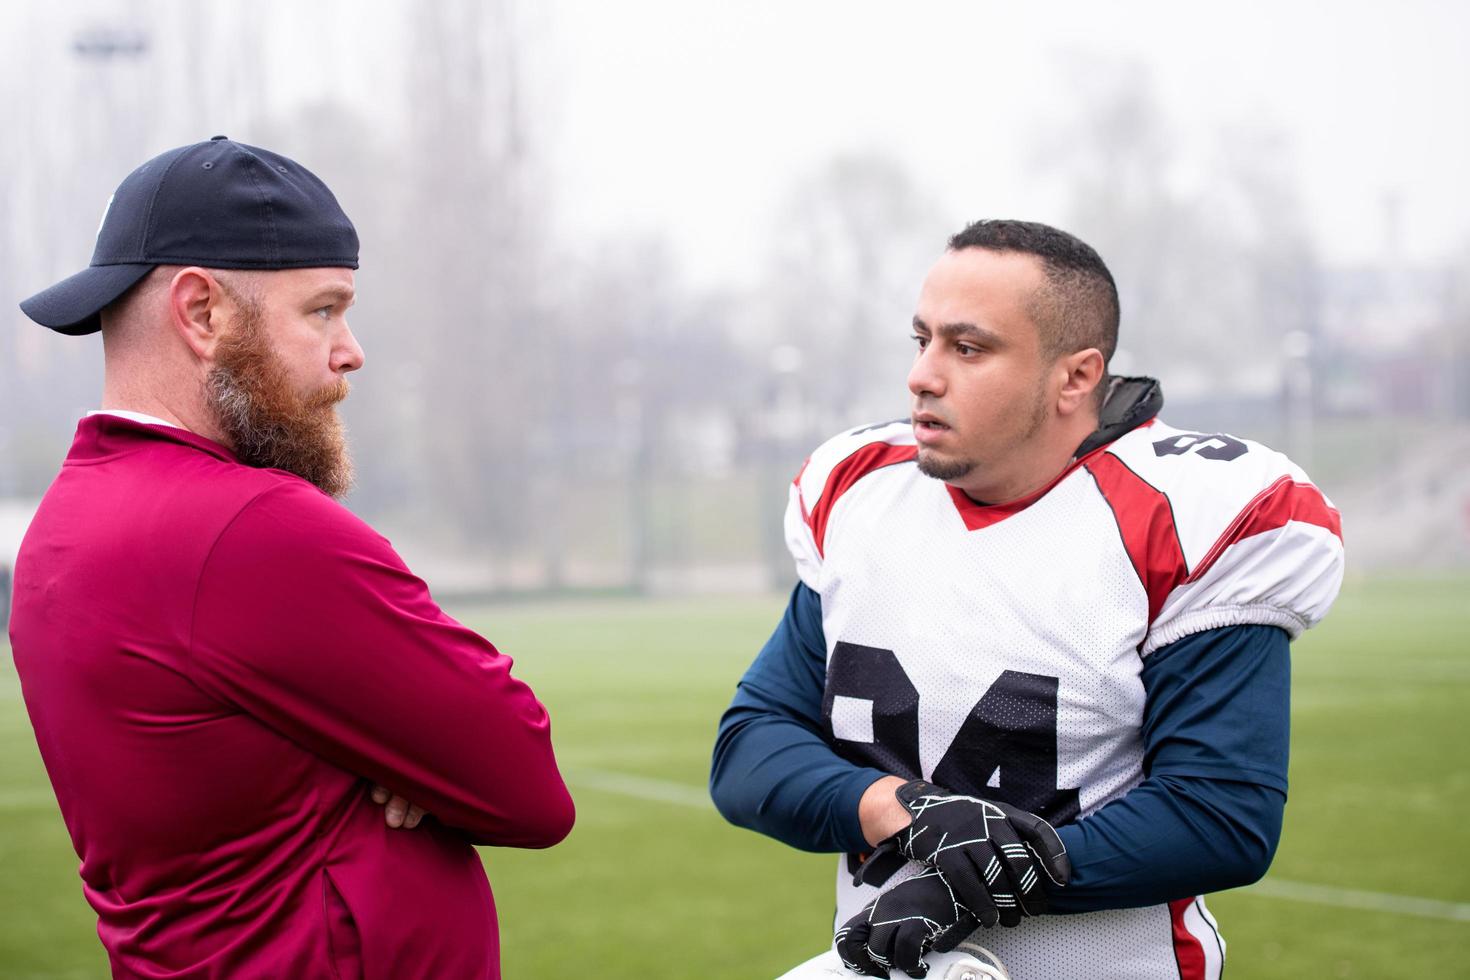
(1078, 306)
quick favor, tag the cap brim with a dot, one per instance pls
(72, 305)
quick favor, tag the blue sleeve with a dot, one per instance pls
(773, 770)
(1207, 815)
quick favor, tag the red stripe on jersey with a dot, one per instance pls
(979, 516)
(1283, 501)
(873, 456)
(1146, 522)
(1189, 952)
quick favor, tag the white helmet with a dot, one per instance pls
(967, 962)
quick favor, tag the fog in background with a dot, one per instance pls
(625, 265)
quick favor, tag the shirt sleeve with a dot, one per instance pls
(306, 619)
(1208, 813)
(773, 770)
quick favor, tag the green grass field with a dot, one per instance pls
(652, 883)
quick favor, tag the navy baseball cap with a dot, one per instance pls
(217, 204)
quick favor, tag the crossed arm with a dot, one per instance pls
(306, 619)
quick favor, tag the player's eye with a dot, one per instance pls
(324, 312)
(921, 341)
(966, 350)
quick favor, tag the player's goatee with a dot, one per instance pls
(933, 465)
(266, 421)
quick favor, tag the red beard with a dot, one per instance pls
(268, 423)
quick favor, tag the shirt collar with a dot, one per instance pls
(131, 416)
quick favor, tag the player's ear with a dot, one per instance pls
(1082, 371)
(199, 310)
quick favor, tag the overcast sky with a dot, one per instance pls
(691, 116)
(693, 119)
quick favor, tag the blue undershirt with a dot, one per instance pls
(1206, 817)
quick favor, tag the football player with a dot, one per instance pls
(1035, 671)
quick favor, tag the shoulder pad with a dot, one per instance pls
(1212, 520)
(827, 474)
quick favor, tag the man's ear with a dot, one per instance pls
(1084, 371)
(198, 310)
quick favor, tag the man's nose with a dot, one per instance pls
(347, 353)
(926, 376)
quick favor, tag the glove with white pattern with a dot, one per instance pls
(991, 853)
(903, 924)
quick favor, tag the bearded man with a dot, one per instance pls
(224, 667)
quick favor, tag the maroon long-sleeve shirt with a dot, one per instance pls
(218, 661)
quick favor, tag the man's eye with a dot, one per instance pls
(324, 312)
(922, 341)
(966, 350)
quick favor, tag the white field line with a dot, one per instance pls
(680, 794)
(643, 788)
(1351, 898)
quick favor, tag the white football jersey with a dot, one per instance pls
(997, 650)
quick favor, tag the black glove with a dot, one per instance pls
(988, 851)
(901, 925)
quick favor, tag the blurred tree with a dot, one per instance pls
(851, 249)
(471, 271)
(518, 393)
(1213, 262)
(454, 283)
(643, 366)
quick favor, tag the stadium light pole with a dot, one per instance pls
(103, 47)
